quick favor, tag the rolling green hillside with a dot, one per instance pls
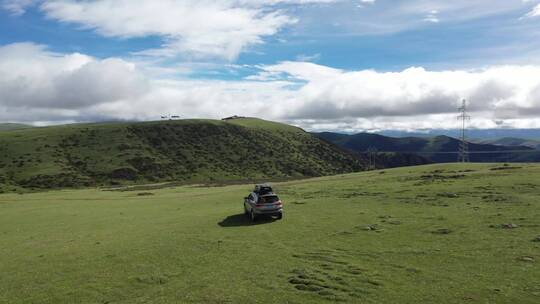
(436, 149)
(185, 151)
(441, 233)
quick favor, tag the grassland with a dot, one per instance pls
(429, 234)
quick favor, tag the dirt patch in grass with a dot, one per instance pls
(505, 168)
(145, 194)
(498, 198)
(448, 195)
(152, 279)
(442, 231)
(441, 177)
(527, 259)
(360, 194)
(505, 226)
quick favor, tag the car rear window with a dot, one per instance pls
(269, 199)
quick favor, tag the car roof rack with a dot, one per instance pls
(263, 189)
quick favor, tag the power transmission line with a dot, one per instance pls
(372, 156)
(463, 153)
(458, 152)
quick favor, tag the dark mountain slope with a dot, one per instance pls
(437, 149)
(533, 134)
(512, 141)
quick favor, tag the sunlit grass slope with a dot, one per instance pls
(430, 234)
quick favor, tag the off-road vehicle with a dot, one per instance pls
(263, 202)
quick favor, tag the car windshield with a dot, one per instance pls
(269, 199)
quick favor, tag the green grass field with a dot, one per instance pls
(431, 234)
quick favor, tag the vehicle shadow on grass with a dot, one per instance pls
(241, 219)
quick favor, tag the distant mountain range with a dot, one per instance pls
(13, 126)
(437, 149)
(511, 141)
(480, 134)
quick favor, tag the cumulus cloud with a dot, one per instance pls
(38, 85)
(495, 93)
(203, 99)
(33, 77)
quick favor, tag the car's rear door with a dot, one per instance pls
(249, 202)
(270, 202)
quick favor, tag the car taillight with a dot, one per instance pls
(259, 205)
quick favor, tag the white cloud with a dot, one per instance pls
(198, 29)
(506, 92)
(37, 85)
(405, 15)
(202, 99)
(32, 77)
(276, 2)
(432, 17)
(195, 28)
(297, 70)
(535, 12)
(17, 7)
(305, 57)
(362, 2)
(189, 28)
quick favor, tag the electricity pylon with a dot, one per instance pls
(372, 157)
(463, 153)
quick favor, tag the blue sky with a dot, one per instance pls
(320, 64)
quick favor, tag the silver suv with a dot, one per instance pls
(263, 202)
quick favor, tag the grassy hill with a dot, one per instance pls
(436, 149)
(429, 234)
(185, 151)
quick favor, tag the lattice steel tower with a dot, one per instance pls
(372, 156)
(463, 153)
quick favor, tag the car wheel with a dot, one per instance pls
(252, 216)
(280, 216)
